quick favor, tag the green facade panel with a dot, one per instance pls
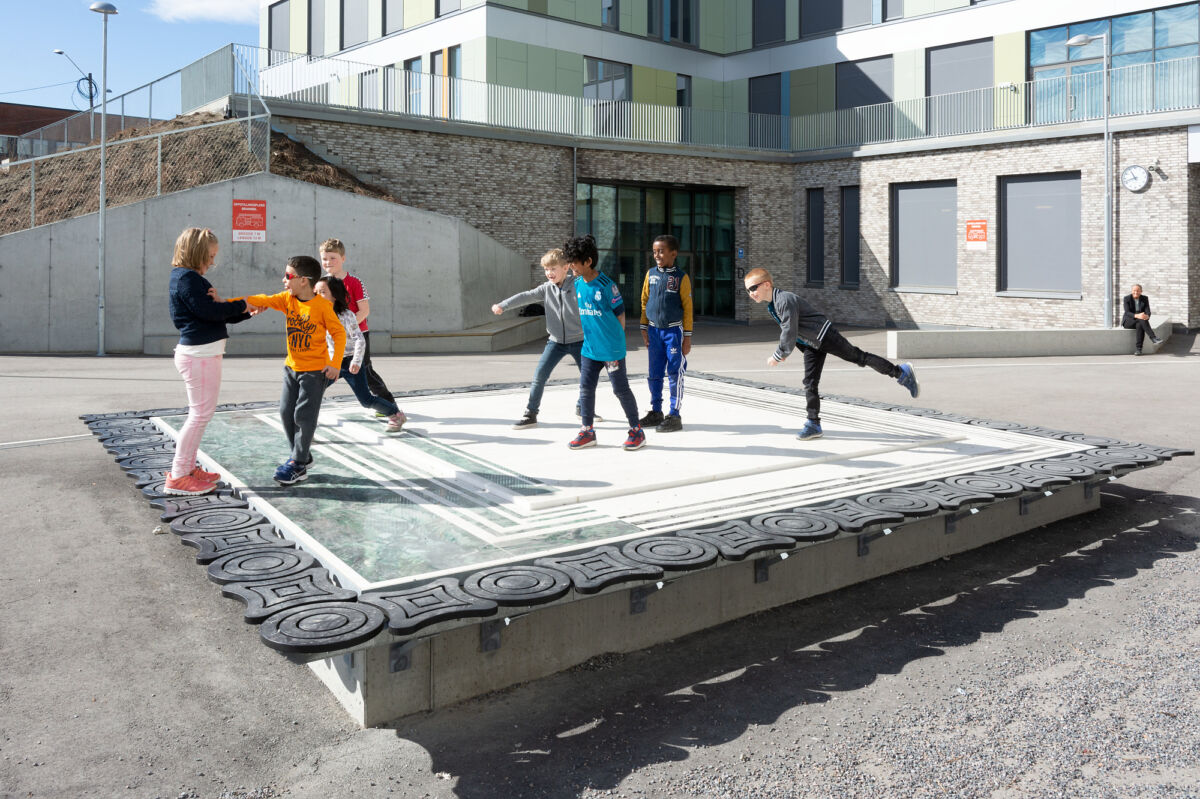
(813, 89)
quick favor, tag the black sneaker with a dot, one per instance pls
(670, 424)
(652, 419)
(528, 420)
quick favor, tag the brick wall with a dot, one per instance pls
(521, 194)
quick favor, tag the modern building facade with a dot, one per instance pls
(900, 162)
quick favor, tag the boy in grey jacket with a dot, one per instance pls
(557, 294)
(801, 325)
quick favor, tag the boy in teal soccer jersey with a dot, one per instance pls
(602, 315)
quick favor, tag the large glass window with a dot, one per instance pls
(766, 98)
(1040, 233)
(446, 6)
(924, 235)
(1069, 80)
(815, 231)
(279, 30)
(625, 220)
(354, 22)
(770, 21)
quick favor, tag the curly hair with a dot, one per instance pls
(581, 249)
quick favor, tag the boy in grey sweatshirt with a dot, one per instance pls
(557, 295)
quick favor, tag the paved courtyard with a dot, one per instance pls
(1060, 662)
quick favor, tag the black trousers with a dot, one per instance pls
(1142, 326)
(374, 381)
(836, 344)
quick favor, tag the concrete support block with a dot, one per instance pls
(394, 678)
(910, 344)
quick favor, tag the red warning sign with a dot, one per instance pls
(249, 220)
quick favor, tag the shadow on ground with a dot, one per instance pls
(614, 715)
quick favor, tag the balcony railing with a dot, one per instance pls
(253, 73)
(1140, 89)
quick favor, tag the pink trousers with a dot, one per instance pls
(202, 376)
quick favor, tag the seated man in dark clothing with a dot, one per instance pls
(1137, 316)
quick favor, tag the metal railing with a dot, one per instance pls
(1139, 89)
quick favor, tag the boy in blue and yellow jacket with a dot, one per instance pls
(666, 331)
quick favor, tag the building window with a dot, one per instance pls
(354, 23)
(851, 252)
(1040, 233)
(279, 30)
(823, 16)
(316, 27)
(766, 102)
(413, 86)
(393, 16)
(684, 20)
(625, 220)
(610, 14)
(445, 65)
(815, 249)
(769, 22)
(924, 240)
(893, 9)
(957, 70)
(866, 82)
(606, 80)
(683, 91)
(446, 6)
(654, 19)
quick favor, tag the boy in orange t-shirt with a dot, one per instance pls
(309, 363)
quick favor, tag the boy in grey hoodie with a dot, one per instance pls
(557, 294)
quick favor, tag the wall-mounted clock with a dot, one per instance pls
(1135, 178)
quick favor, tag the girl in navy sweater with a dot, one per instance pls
(200, 316)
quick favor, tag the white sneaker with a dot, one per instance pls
(396, 421)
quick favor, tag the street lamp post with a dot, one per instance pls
(1079, 41)
(91, 84)
(104, 9)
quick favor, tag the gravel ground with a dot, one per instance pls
(1059, 663)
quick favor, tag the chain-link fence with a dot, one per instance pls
(61, 186)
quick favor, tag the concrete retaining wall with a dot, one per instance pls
(905, 344)
(425, 272)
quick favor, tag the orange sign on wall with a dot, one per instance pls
(976, 234)
(249, 220)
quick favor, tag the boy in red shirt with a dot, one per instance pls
(333, 261)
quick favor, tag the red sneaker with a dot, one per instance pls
(187, 486)
(586, 438)
(637, 438)
(208, 477)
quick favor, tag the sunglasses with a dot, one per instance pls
(754, 288)
(289, 275)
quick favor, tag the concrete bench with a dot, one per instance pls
(1020, 343)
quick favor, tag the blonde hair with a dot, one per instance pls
(333, 245)
(553, 257)
(757, 275)
(191, 248)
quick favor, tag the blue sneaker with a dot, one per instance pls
(291, 472)
(810, 431)
(908, 379)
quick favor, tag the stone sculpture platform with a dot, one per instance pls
(460, 556)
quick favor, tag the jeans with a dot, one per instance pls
(551, 356)
(589, 376)
(202, 377)
(299, 408)
(362, 392)
(836, 344)
(374, 382)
